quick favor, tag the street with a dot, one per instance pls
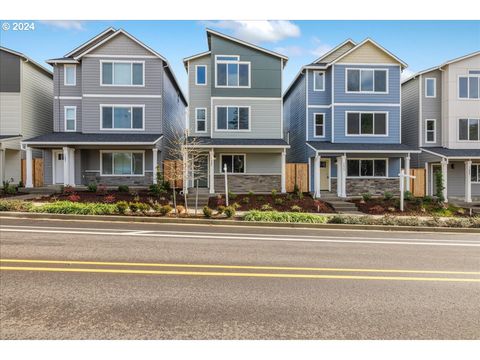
(108, 280)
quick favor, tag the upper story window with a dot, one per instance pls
(367, 80)
(122, 117)
(469, 86)
(469, 130)
(122, 73)
(367, 168)
(200, 120)
(367, 124)
(231, 72)
(70, 118)
(319, 80)
(70, 75)
(430, 130)
(319, 130)
(430, 87)
(201, 75)
(233, 118)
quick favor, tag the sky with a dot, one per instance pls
(421, 44)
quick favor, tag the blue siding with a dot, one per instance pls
(327, 122)
(393, 167)
(320, 97)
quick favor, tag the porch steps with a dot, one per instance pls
(339, 205)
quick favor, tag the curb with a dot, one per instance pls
(164, 220)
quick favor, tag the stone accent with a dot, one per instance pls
(242, 184)
(356, 187)
(94, 177)
(334, 185)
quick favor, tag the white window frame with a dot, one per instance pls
(197, 119)
(233, 154)
(458, 130)
(360, 167)
(360, 79)
(315, 125)
(434, 131)
(315, 81)
(131, 106)
(360, 123)
(196, 75)
(234, 130)
(71, 66)
(113, 72)
(468, 76)
(65, 108)
(477, 165)
(113, 165)
(434, 87)
(233, 62)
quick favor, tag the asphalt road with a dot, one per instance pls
(100, 280)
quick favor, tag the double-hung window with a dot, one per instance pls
(70, 118)
(367, 80)
(319, 130)
(319, 80)
(200, 120)
(122, 163)
(469, 129)
(430, 87)
(122, 117)
(366, 123)
(122, 73)
(233, 118)
(200, 74)
(231, 72)
(234, 163)
(469, 86)
(69, 75)
(430, 130)
(476, 173)
(367, 168)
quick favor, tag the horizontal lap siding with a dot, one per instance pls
(59, 81)
(199, 95)
(410, 112)
(327, 124)
(10, 113)
(59, 114)
(47, 167)
(294, 110)
(432, 108)
(320, 97)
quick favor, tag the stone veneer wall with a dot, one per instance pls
(244, 183)
(357, 187)
(94, 177)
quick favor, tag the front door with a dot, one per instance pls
(201, 171)
(58, 164)
(325, 175)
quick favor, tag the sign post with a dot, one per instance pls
(226, 184)
(403, 176)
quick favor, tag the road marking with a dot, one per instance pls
(251, 267)
(226, 274)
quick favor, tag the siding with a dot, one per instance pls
(366, 54)
(432, 107)
(410, 112)
(320, 97)
(120, 45)
(337, 53)
(256, 163)
(10, 113)
(9, 72)
(327, 124)
(59, 81)
(199, 95)
(59, 114)
(47, 167)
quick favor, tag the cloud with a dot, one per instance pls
(259, 31)
(406, 74)
(320, 47)
(290, 50)
(65, 24)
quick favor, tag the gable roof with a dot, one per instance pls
(90, 42)
(26, 58)
(196, 56)
(348, 41)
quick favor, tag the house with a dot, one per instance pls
(26, 107)
(343, 117)
(235, 116)
(441, 115)
(116, 107)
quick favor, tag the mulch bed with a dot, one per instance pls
(4, 196)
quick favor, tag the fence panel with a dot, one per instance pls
(418, 185)
(296, 173)
(173, 172)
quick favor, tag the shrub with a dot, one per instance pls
(260, 198)
(232, 196)
(366, 196)
(428, 199)
(246, 200)
(68, 189)
(439, 186)
(109, 199)
(181, 209)
(102, 189)
(289, 217)
(289, 197)
(133, 206)
(21, 184)
(122, 207)
(157, 189)
(165, 209)
(296, 208)
(251, 193)
(236, 206)
(229, 211)
(387, 195)
(142, 207)
(207, 212)
(123, 188)
(278, 201)
(408, 196)
(14, 205)
(266, 207)
(73, 197)
(300, 195)
(274, 193)
(92, 187)
(68, 207)
(220, 209)
(8, 188)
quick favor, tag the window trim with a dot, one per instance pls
(468, 76)
(434, 88)
(232, 154)
(478, 173)
(196, 75)
(233, 62)
(113, 166)
(368, 177)
(360, 79)
(65, 108)
(113, 72)
(197, 119)
(234, 130)
(65, 67)
(315, 81)
(434, 131)
(387, 130)
(315, 124)
(131, 106)
(458, 130)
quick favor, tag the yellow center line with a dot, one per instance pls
(223, 274)
(245, 267)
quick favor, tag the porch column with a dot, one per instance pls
(154, 164)
(2, 164)
(468, 181)
(344, 176)
(211, 171)
(407, 171)
(284, 166)
(339, 176)
(71, 165)
(444, 176)
(66, 166)
(28, 168)
(316, 176)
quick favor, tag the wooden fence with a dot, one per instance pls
(173, 172)
(37, 172)
(418, 185)
(296, 173)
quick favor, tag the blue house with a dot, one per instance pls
(342, 114)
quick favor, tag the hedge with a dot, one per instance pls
(69, 207)
(289, 217)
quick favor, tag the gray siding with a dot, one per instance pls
(256, 163)
(59, 80)
(432, 107)
(47, 167)
(410, 112)
(121, 45)
(10, 113)
(199, 95)
(59, 114)
(9, 72)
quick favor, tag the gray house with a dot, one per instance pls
(26, 99)
(441, 115)
(235, 116)
(116, 107)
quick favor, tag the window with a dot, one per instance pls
(469, 130)
(201, 75)
(70, 75)
(430, 131)
(469, 86)
(367, 80)
(367, 168)
(235, 163)
(122, 163)
(200, 120)
(70, 118)
(233, 118)
(430, 87)
(370, 124)
(475, 173)
(231, 72)
(319, 125)
(318, 80)
(122, 73)
(122, 117)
